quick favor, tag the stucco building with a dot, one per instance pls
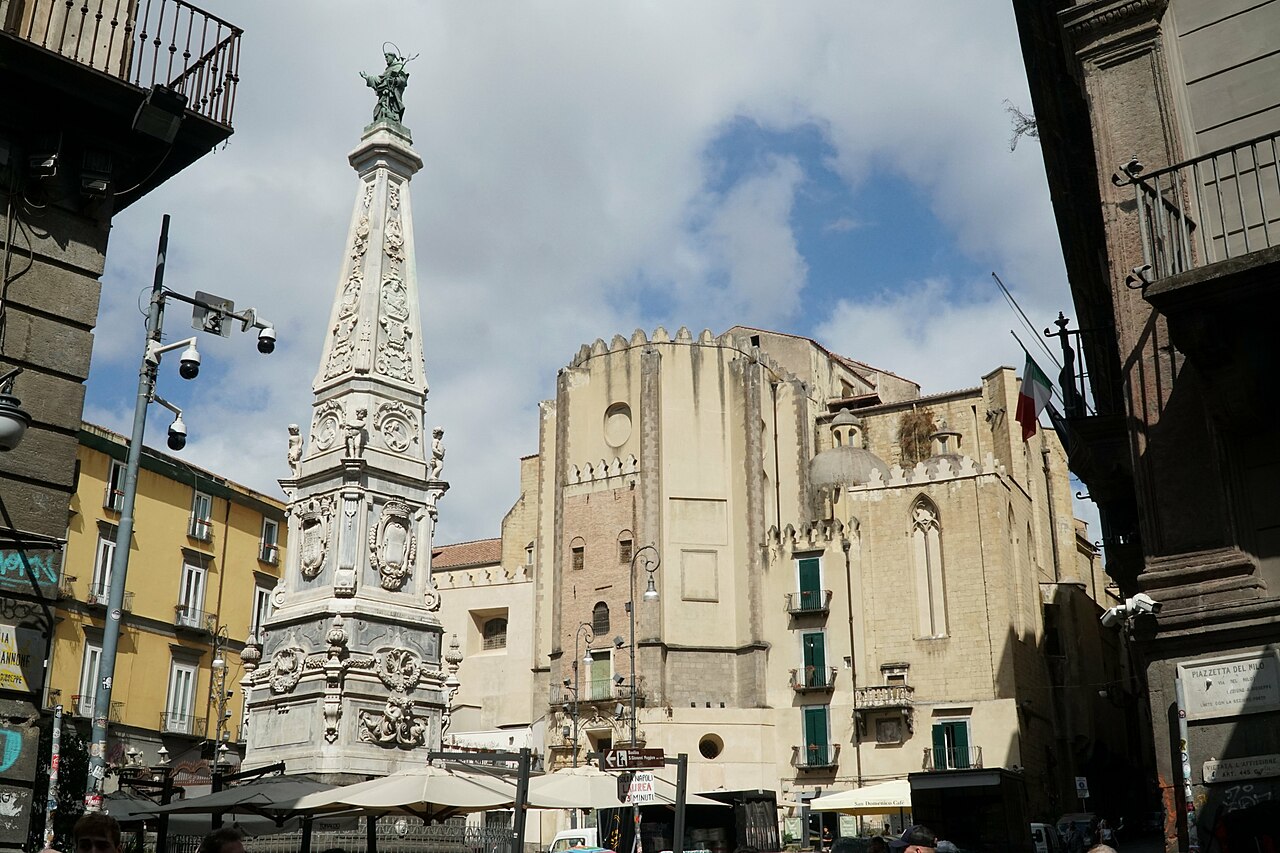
(1158, 122)
(206, 556)
(836, 581)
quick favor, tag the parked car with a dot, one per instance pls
(571, 838)
(1045, 838)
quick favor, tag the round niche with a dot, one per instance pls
(617, 424)
(710, 746)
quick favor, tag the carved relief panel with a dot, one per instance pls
(393, 544)
(315, 522)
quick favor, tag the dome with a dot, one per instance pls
(845, 466)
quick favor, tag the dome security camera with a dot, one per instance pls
(177, 434)
(267, 340)
(189, 364)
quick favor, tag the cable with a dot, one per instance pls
(1027, 322)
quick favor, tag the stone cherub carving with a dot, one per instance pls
(390, 86)
(436, 465)
(354, 428)
(295, 448)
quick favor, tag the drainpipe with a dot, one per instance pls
(1053, 520)
(845, 544)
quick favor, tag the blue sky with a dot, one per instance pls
(592, 168)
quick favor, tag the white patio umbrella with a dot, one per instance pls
(431, 793)
(588, 787)
(885, 798)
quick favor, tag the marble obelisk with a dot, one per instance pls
(348, 680)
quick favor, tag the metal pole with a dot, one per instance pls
(55, 754)
(162, 823)
(631, 613)
(1188, 796)
(522, 799)
(682, 778)
(124, 535)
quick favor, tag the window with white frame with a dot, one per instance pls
(270, 552)
(100, 585)
(90, 664)
(114, 497)
(261, 610)
(191, 595)
(201, 515)
(600, 674)
(179, 706)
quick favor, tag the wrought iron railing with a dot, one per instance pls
(185, 616)
(100, 593)
(807, 602)
(409, 836)
(67, 586)
(815, 756)
(200, 529)
(883, 696)
(269, 554)
(182, 724)
(1220, 205)
(144, 42)
(953, 758)
(82, 706)
(812, 678)
(113, 499)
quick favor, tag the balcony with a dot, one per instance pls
(883, 696)
(809, 602)
(100, 594)
(269, 554)
(67, 587)
(182, 724)
(113, 500)
(186, 618)
(82, 706)
(200, 529)
(951, 758)
(173, 44)
(816, 756)
(813, 679)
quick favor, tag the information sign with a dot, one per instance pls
(640, 792)
(633, 759)
(1229, 686)
(1082, 787)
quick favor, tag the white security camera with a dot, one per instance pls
(1143, 603)
(1113, 617)
(267, 340)
(177, 434)
(189, 363)
(618, 679)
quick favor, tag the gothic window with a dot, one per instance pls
(600, 619)
(577, 554)
(926, 545)
(625, 547)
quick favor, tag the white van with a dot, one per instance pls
(1045, 839)
(570, 838)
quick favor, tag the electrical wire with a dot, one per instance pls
(1035, 333)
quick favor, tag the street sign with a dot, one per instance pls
(633, 759)
(640, 792)
(1082, 787)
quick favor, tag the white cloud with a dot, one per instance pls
(565, 159)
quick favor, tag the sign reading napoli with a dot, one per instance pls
(1240, 684)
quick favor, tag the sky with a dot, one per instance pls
(836, 170)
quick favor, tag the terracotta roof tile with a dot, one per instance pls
(478, 553)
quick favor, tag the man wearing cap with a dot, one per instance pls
(917, 839)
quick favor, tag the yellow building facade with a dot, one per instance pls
(206, 555)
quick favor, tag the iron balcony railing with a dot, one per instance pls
(953, 758)
(82, 706)
(169, 43)
(815, 756)
(269, 554)
(113, 500)
(100, 594)
(883, 696)
(191, 619)
(181, 724)
(813, 678)
(1220, 205)
(67, 586)
(809, 602)
(200, 529)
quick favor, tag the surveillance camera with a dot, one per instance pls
(267, 340)
(566, 682)
(177, 434)
(618, 642)
(1113, 617)
(618, 679)
(189, 363)
(1143, 603)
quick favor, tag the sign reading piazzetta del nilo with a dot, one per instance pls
(1239, 684)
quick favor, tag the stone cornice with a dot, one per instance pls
(1106, 25)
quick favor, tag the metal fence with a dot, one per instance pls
(1220, 205)
(395, 835)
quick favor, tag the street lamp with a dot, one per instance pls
(651, 563)
(585, 635)
(189, 367)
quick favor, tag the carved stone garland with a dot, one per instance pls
(393, 544)
(395, 345)
(342, 351)
(286, 669)
(399, 669)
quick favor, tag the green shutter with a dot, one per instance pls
(960, 737)
(815, 660)
(815, 735)
(939, 746)
(810, 583)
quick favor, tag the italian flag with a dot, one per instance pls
(1032, 398)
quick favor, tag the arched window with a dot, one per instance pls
(600, 619)
(626, 546)
(495, 633)
(926, 546)
(578, 553)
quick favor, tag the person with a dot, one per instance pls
(224, 840)
(915, 839)
(1075, 839)
(96, 833)
(877, 845)
(1106, 835)
(826, 838)
(844, 844)
(947, 847)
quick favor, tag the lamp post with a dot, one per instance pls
(147, 374)
(651, 563)
(586, 635)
